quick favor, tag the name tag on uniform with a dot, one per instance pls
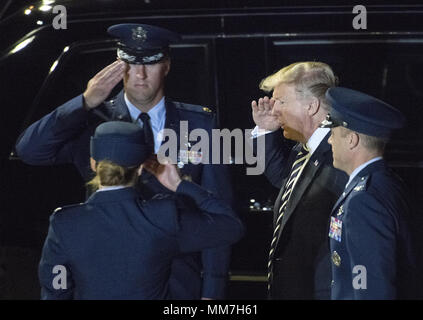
(335, 230)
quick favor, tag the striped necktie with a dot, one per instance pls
(297, 167)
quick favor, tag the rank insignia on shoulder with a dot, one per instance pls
(205, 109)
(109, 103)
(340, 210)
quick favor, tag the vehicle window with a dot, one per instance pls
(69, 78)
(390, 69)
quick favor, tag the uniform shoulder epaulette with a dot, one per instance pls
(64, 208)
(109, 103)
(104, 111)
(194, 108)
(362, 184)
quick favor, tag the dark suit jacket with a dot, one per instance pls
(63, 136)
(301, 267)
(117, 246)
(375, 246)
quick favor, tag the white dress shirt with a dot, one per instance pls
(312, 143)
(157, 119)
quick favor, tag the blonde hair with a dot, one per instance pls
(310, 78)
(111, 174)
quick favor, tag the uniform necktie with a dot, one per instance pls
(300, 161)
(148, 131)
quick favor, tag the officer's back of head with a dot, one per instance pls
(117, 150)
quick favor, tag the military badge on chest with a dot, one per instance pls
(186, 155)
(189, 156)
(335, 230)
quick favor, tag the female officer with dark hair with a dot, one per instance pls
(117, 245)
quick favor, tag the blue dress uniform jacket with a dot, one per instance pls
(118, 246)
(371, 231)
(63, 136)
(301, 268)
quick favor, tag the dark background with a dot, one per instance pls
(228, 47)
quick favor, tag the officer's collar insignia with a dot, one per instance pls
(139, 34)
(316, 163)
(359, 188)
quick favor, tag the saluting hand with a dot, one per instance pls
(262, 114)
(166, 173)
(100, 86)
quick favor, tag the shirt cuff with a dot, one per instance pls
(257, 132)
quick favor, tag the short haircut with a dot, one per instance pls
(369, 142)
(373, 143)
(310, 78)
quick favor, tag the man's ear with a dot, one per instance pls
(353, 140)
(93, 164)
(167, 62)
(313, 106)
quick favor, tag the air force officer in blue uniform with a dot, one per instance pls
(369, 233)
(63, 135)
(118, 245)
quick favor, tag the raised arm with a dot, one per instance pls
(212, 223)
(277, 148)
(54, 138)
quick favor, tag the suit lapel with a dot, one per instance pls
(307, 176)
(304, 181)
(287, 170)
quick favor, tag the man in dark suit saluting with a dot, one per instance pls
(298, 265)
